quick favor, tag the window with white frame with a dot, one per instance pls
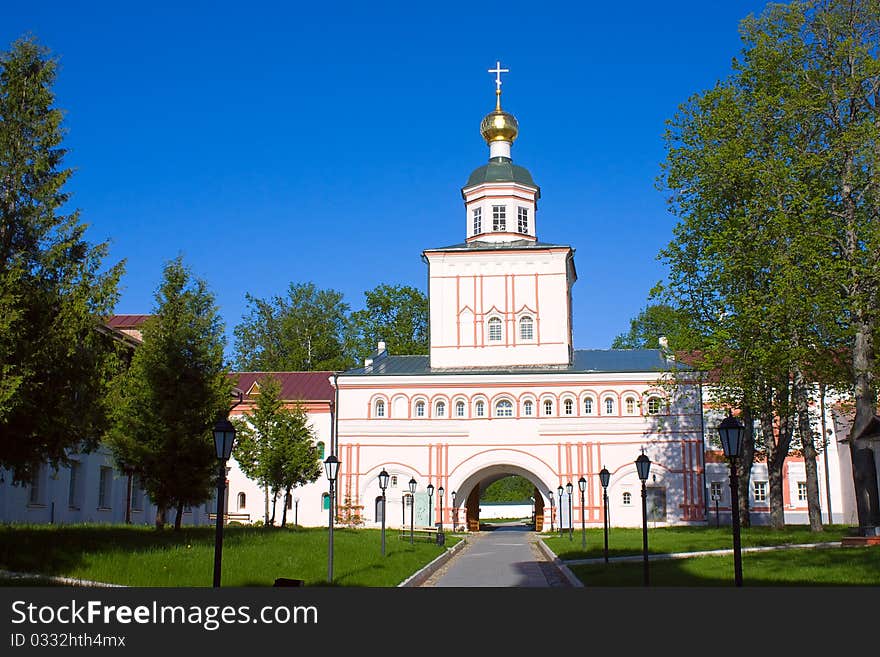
(526, 328)
(802, 491)
(630, 406)
(105, 483)
(504, 409)
(392, 482)
(494, 330)
(478, 221)
(568, 407)
(380, 408)
(522, 220)
(499, 218)
(627, 498)
(242, 501)
(420, 409)
(548, 407)
(588, 405)
(480, 409)
(654, 405)
(440, 409)
(609, 406)
(459, 409)
(715, 490)
(73, 487)
(760, 490)
(527, 407)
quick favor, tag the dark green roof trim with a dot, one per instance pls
(586, 361)
(501, 169)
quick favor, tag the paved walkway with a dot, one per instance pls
(506, 556)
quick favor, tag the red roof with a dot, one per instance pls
(127, 321)
(305, 386)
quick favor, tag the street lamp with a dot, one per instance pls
(732, 431)
(440, 506)
(582, 484)
(643, 465)
(454, 513)
(568, 489)
(716, 498)
(550, 495)
(295, 512)
(559, 506)
(331, 468)
(604, 478)
(383, 484)
(430, 508)
(412, 507)
(224, 436)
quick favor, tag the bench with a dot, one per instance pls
(231, 517)
(422, 533)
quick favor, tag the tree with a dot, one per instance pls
(304, 331)
(513, 488)
(395, 314)
(165, 405)
(54, 289)
(275, 445)
(657, 320)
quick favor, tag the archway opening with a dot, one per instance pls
(502, 493)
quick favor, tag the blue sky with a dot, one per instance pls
(272, 143)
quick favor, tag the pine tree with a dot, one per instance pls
(55, 362)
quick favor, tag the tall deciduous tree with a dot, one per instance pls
(302, 331)
(166, 404)
(658, 320)
(54, 289)
(395, 314)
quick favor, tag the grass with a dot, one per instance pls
(142, 556)
(850, 566)
(627, 541)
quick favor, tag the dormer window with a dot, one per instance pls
(494, 330)
(478, 221)
(522, 220)
(499, 218)
(526, 328)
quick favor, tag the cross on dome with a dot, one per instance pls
(498, 71)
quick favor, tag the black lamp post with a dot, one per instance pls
(731, 431)
(224, 436)
(331, 468)
(295, 512)
(643, 465)
(383, 484)
(550, 495)
(440, 492)
(454, 513)
(412, 507)
(568, 489)
(559, 506)
(716, 498)
(604, 478)
(430, 508)
(582, 484)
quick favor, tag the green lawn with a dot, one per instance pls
(850, 566)
(627, 541)
(141, 556)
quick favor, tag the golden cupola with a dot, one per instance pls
(499, 125)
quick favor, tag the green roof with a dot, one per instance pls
(501, 169)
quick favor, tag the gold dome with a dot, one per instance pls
(499, 125)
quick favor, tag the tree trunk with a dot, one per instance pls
(161, 512)
(284, 508)
(808, 444)
(745, 466)
(774, 469)
(266, 504)
(864, 477)
(274, 504)
(178, 520)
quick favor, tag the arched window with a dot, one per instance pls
(494, 330)
(242, 501)
(548, 407)
(527, 407)
(526, 329)
(479, 409)
(504, 409)
(440, 409)
(588, 406)
(630, 405)
(627, 498)
(653, 405)
(459, 409)
(320, 447)
(609, 406)
(569, 407)
(420, 409)
(380, 408)
(325, 501)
